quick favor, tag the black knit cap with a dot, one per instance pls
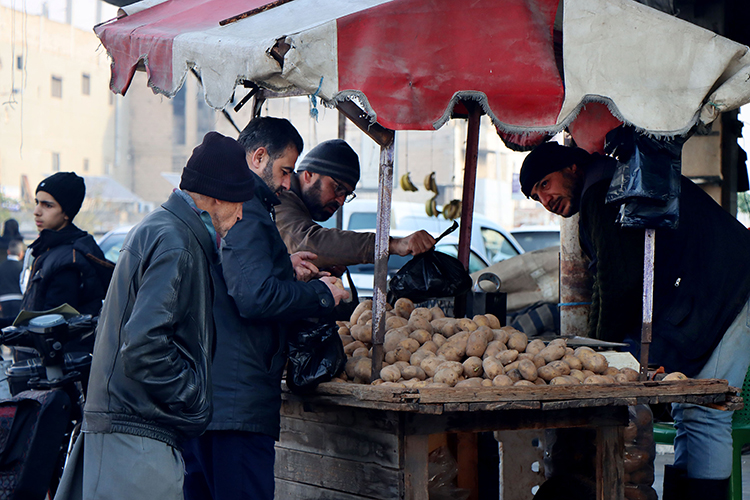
(547, 158)
(67, 189)
(334, 158)
(217, 168)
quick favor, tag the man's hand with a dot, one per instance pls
(414, 244)
(336, 287)
(303, 268)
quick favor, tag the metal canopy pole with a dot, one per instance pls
(467, 198)
(648, 299)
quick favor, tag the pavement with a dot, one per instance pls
(665, 456)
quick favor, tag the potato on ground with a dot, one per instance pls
(473, 367)
(518, 341)
(403, 307)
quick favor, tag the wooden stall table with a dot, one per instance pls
(348, 441)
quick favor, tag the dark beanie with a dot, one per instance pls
(334, 158)
(547, 158)
(218, 168)
(67, 189)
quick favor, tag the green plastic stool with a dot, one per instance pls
(664, 433)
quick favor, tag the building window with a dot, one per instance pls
(85, 164)
(85, 84)
(57, 86)
(19, 62)
(55, 162)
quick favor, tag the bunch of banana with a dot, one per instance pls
(406, 183)
(430, 184)
(452, 210)
(430, 207)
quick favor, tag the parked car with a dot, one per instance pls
(111, 242)
(537, 237)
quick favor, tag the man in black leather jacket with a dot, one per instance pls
(150, 387)
(701, 287)
(234, 458)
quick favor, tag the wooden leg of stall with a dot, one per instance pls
(468, 463)
(610, 472)
(416, 475)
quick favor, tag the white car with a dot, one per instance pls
(537, 237)
(111, 242)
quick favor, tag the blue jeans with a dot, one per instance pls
(703, 444)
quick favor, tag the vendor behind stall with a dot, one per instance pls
(324, 181)
(701, 286)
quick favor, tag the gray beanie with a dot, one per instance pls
(334, 158)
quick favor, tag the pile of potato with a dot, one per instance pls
(423, 348)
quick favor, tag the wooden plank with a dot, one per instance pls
(357, 444)
(416, 474)
(468, 462)
(356, 478)
(386, 421)
(610, 470)
(288, 490)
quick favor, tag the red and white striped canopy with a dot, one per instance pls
(407, 62)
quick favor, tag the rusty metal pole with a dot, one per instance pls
(575, 282)
(467, 197)
(649, 252)
(385, 188)
(342, 136)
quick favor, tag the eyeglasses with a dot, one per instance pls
(340, 190)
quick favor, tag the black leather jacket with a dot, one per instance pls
(150, 373)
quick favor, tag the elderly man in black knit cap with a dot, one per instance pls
(324, 181)
(701, 289)
(150, 385)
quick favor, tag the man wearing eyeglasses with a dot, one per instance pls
(324, 181)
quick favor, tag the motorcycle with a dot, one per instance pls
(40, 422)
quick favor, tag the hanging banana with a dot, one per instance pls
(452, 210)
(430, 184)
(430, 207)
(406, 183)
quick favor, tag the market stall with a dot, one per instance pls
(535, 68)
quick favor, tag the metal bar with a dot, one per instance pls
(252, 12)
(377, 132)
(248, 96)
(385, 187)
(649, 250)
(342, 136)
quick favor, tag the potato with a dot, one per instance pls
(595, 362)
(524, 383)
(540, 381)
(401, 365)
(582, 351)
(510, 366)
(390, 357)
(419, 356)
(467, 325)
(611, 371)
(539, 361)
(493, 321)
(402, 353)
(420, 336)
(547, 372)
(417, 322)
(449, 327)
(470, 382)
(410, 372)
(395, 322)
(492, 367)
(552, 352)
(631, 374)
(437, 312)
(455, 366)
(508, 356)
(390, 374)
(363, 369)
(446, 376)
(569, 351)
(365, 305)
(563, 380)
(502, 381)
(350, 348)
(473, 367)
(362, 333)
(362, 352)
(343, 330)
(421, 313)
(403, 307)
(476, 344)
(577, 374)
(526, 355)
(518, 341)
(430, 346)
(349, 367)
(494, 348)
(514, 375)
(503, 334)
(527, 368)
(559, 341)
(392, 338)
(561, 366)
(364, 317)
(489, 335)
(411, 344)
(438, 340)
(621, 378)
(451, 351)
(346, 339)
(481, 320)
(675, 376)
(486, 382)
(535, 346)
(430, 365)
(573, 362)
(597, 379)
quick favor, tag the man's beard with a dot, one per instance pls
(311, 198)
(266, 176)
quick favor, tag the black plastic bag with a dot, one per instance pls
(429, 275)
(316, 355)
(646, 184)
